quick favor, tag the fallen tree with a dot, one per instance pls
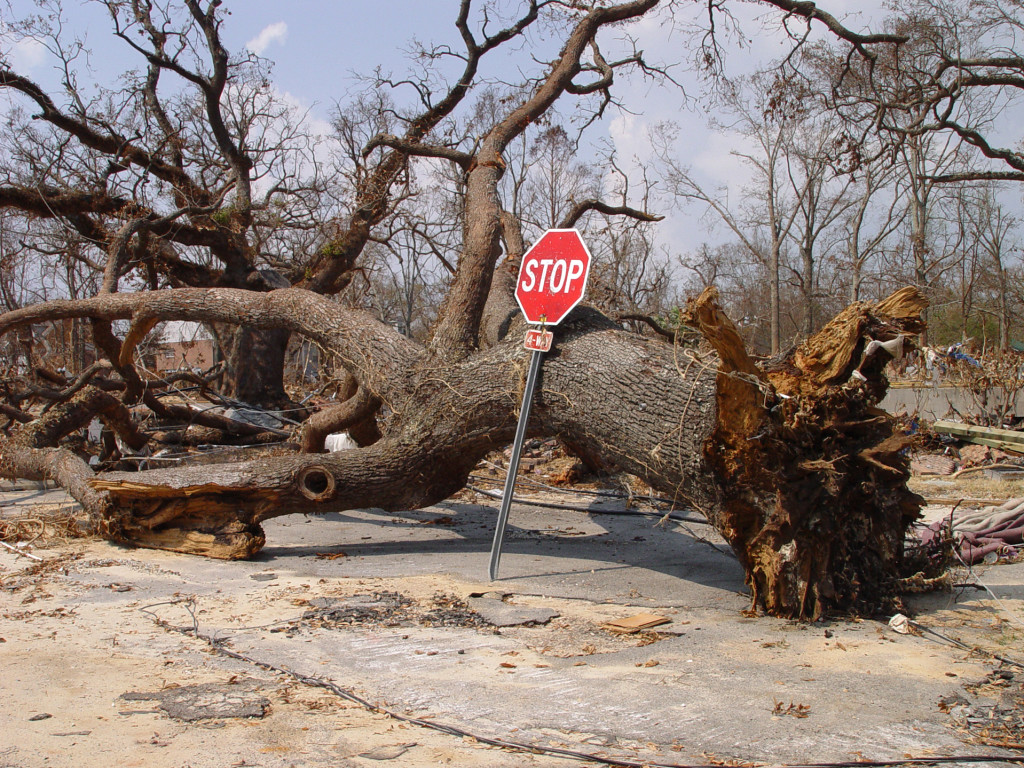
(791, 461)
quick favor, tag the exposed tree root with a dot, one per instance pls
(815, 502)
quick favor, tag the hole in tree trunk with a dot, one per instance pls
(316, 483)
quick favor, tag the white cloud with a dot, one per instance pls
(28, 54)
(319, 127)
(719, 162)
(627, 132)
(273, 33)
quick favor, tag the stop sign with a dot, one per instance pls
(552, 276)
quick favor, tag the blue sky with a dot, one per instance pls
(316, 45)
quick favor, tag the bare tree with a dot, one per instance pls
(875, 215)
(764, 220)
(966, 64)
(994, 228)
(794, 196)
(821, 200)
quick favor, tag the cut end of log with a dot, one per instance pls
(236, 541)
(198, 519)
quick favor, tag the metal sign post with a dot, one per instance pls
(513, 462)
(552, 277)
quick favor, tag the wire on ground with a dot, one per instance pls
(671, 515)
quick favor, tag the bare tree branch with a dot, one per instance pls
(585, 206)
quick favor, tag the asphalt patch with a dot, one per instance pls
(208, 701)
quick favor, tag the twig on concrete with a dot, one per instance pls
(17, 551)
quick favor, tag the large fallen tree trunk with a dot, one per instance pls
(791, 462)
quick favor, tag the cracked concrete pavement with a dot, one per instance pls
(390, 606)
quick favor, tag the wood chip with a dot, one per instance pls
(633, 624)
(391, 752)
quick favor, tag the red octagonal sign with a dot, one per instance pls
(553, 276)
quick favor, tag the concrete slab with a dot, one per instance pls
(379, 603)
(933, 402)
(498, 613)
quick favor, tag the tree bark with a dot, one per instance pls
(794, 465)
(254, 360)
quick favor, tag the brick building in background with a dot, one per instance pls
(183, 346)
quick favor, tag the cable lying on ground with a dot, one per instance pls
(671, 515)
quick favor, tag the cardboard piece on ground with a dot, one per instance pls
(635, 623)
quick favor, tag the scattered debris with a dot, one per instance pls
(447, 521)
(451, 611)
(384, 608)
(931, 464)
(995, 716)
(649, 638)
(900, 623)
(984, 535)
(1004, 473)
(43, 524)
(1007, 440)
(973, 455)
(18, 550)
(793, 710)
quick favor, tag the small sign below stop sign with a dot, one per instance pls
(553, 276)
